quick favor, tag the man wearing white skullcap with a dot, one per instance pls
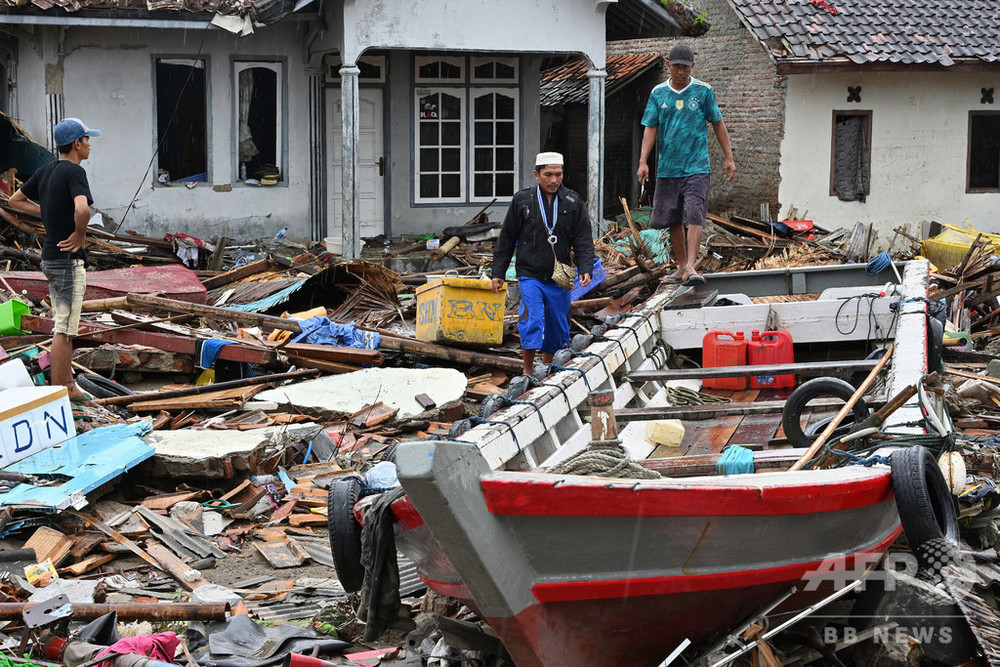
(543, 224)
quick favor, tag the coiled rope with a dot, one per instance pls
(685, 396)
(604, 458)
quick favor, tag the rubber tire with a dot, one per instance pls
(814, 430)
(345, 532)
(807, 391)
(926, 508)
(100, 386)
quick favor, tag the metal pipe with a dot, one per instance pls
(180, 611)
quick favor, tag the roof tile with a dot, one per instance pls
(901, 31)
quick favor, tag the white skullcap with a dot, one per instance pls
(548, 158)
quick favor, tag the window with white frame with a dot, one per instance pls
(465, 131)
(181, 88)
(259, 120)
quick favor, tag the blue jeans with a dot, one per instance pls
(544, 315)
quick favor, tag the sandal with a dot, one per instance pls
(673, 280)
(695, 279)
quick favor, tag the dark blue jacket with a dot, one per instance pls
(524, 231)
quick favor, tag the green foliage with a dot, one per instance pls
(7, 661)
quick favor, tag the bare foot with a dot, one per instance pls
(77, 394)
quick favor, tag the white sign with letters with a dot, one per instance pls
(33, 419)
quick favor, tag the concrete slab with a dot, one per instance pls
(395, 387)
(188, 453)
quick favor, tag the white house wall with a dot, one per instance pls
(107, 80)
(554, 26)
(918, 152)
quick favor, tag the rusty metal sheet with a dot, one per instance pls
(174, 281)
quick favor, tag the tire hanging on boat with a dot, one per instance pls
(345, 532)
(926, 508)
(807, 391)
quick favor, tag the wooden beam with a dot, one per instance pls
(715, 410)
(207, 388)
(802, 368)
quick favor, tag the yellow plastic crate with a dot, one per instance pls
(460, 310)
(952, 245)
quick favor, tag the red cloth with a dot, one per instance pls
(160, 646)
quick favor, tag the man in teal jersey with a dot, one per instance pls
(676, 114)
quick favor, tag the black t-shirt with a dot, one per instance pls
(54, 186)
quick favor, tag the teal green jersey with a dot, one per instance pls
(682, 136)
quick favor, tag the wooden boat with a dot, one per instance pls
(594, 571)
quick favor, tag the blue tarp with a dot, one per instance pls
(88, 461)
(321, 331)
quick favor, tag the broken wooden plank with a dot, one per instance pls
(49, 543)
(168, 500)
(344, 355)
(188, 577)
(224, 399)
(115, 535)
(373, 415)
(87, 564)
(283, 553)
(310, 519)
(204, 389)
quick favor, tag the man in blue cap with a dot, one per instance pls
(676, 121)
(63, 199)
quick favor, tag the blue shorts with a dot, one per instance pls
(544, 315)
(680, 200)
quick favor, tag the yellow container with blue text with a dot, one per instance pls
(460, 310)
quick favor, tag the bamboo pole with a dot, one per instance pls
(848, 406)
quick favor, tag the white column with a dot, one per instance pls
(352, 202)
(317, 143)
(595, 145)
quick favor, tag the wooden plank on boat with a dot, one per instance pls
(704, 464)
(691, 299)
(756, 429)
(713, 410)
(714, 438)
(799, 368)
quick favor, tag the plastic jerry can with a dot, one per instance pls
(770, 347)
(724, 348)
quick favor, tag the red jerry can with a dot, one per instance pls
(770, 347)
(724, 348)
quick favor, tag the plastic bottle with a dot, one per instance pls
(382, 476)
(281, 233)
(243, 171)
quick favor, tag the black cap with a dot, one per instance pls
(681, 55)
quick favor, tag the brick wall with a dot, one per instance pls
(752, 99)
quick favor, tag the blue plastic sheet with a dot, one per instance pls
(321, 331)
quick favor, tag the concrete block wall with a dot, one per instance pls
(752, 99)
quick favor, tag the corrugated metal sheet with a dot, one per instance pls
(869, 31)
(567, 84)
